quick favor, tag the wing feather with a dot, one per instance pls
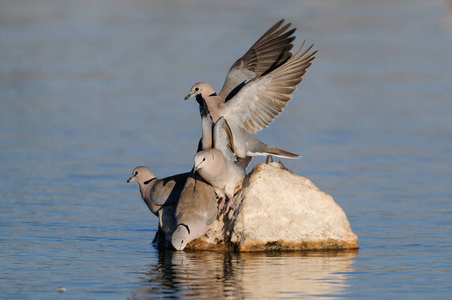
(260, 101)
(269, 52)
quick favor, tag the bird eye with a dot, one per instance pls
(204, 159)
(136, 173)
(196, 89)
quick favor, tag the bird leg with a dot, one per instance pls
(220, 206)
(228, 204)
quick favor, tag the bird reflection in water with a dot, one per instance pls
(242, 275)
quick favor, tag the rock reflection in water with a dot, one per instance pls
(242, 275)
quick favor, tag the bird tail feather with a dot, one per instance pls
(269, 150)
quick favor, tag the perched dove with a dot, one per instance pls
(255, 102)
(195, 212)
(217, 165)
(158, 192)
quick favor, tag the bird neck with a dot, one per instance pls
(212, 104)
(145, 189)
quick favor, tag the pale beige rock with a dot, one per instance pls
(278, 210)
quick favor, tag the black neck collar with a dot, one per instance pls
(186, 226)
(149, 181)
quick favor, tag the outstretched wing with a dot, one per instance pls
(269, 52)
(260, 101)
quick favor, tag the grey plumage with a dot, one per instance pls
(195, 212)
(157, 192)
(197, 206)
(256, 101)
(217, 164)
(269, 52)
(257, 88)
(161, 197)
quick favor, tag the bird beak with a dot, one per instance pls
(130, 179)
(188, 96)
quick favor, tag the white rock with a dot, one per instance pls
(278, 210)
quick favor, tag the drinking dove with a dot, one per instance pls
(255, 102)
(197, 206)
(195, 211)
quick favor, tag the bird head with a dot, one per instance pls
(203, 158)
(141, 174)
(180, 237)
(201, 88)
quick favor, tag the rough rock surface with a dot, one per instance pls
(278, 210)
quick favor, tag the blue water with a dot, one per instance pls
(90, 90)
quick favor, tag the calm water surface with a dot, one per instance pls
(90, 90)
